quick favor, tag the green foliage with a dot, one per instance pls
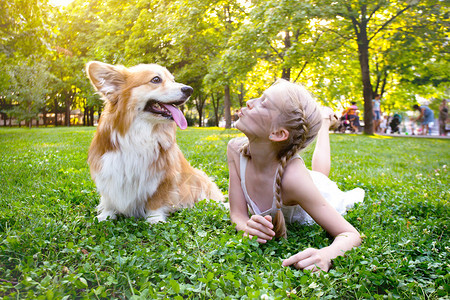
(26, 28)
(52, 248)
(243, 45)
(28, 88)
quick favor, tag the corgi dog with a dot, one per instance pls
(134, 159)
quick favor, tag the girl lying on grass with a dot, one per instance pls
(269, 179)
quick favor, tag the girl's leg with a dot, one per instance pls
(321, 159)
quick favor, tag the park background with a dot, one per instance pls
(51, 247)
(228, 51)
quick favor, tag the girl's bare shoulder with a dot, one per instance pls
(296, 178)
(236, 144)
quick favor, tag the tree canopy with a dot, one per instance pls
(228, 50)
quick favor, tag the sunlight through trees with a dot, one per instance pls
(228, 51)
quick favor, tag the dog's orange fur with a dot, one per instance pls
(172, 182)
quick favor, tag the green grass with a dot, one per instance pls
(51, 247)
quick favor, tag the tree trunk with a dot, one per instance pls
(199, 104)
(215, 102)
(227, 106)
(200, 117)
(85, 113)
(363, 49)
(67, 115)
(286, 74)
(44, 117)
(91, 116)
(55, 102)
(67, 112)
(287, 45)
(69, 100)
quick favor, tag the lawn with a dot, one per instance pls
(51, 247)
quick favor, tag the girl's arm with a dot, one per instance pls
(258, 226)
(299, 188)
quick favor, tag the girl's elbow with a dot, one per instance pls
(353, 237)
(358, 240)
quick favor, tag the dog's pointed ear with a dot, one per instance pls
(107, 79)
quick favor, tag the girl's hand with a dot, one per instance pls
(310, 259)
(261, 227)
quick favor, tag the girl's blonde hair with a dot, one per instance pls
(300, 115)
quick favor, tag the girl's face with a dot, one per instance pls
(258, 117)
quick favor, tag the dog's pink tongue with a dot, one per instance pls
(177, 115)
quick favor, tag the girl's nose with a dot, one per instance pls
(250, 104)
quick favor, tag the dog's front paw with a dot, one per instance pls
(155, 216)
(104, 216)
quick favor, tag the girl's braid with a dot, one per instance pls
(300, 134)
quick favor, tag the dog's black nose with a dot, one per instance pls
(187, 90)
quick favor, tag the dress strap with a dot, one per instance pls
(254, 209)
(299, 157)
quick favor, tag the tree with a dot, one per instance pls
(188, 39)
(81, 37)
(28, 90)
(365, 23)
(226, 49)
(424, 33)
(25, 31)
(282, 34)
(285, 39)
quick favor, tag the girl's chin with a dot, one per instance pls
(242, 129)
(248, 131)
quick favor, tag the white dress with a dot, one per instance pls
(341, 201)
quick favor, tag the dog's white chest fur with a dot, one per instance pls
(128, 175)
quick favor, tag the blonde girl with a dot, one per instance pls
(269, 180)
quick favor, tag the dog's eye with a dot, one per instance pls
(156, 79)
